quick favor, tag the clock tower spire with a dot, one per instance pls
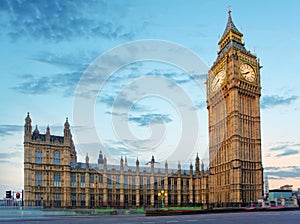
(233, 95)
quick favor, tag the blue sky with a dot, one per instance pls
(46, 46)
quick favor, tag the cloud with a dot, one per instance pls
(65, 20)
(9, 130)
(282, 172)
(275, 100)
(8, 155)
(77, 61)
(277, 148)
(285, 149)
(146, 119)
(64, 83)
(288, 152)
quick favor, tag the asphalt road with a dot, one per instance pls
(280, 217)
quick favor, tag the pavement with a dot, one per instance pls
(37, 212)
(246, 217)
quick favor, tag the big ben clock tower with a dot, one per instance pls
(233, 95)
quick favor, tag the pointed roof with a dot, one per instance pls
(28, 119)
(67, 125)
(87, 159)
(36, 130)
(230, 25)
(231, 38)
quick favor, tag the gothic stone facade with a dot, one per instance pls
(54, 178)
(233, 95)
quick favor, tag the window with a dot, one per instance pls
(118, 182)
(38, 156)
(38, 200)
(82, 200)
(82, 180)
(38, 179)
(38, 196)
(92, 200)
(133, 183)
(125, 182)
(133, 200)
(56, 158)
(73, 180)
(148, 184)
(100, 179)
(109, 183)
(57, 200)
(92, 180)
(141, 183)
(73, 198)
(57, 181)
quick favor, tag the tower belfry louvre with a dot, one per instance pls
(54, 178)
(233, 103)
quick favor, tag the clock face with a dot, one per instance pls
(247, 72)
(218, 80)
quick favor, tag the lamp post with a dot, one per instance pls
(162, 194)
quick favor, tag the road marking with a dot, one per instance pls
(192, 220)
(172, 221)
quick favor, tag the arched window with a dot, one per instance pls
(56, 158)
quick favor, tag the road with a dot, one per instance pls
(280, 217)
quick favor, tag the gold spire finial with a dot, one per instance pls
(229, 9)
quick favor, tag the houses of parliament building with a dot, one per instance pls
(54, 178)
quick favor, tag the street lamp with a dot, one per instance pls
(162, 194)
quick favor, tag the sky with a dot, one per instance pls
(149, 103)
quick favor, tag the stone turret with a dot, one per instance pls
(166, 168)
(191, 169)
(121, 163)
(100, 158)
(67, 133)
(87, 161)
(126, 163)
(197, 164)
(27, 128)
(48, 134)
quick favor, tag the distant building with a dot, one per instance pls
(266, 184)
(278, 194)
(286, 187)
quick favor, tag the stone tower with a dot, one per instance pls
(233, 103)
